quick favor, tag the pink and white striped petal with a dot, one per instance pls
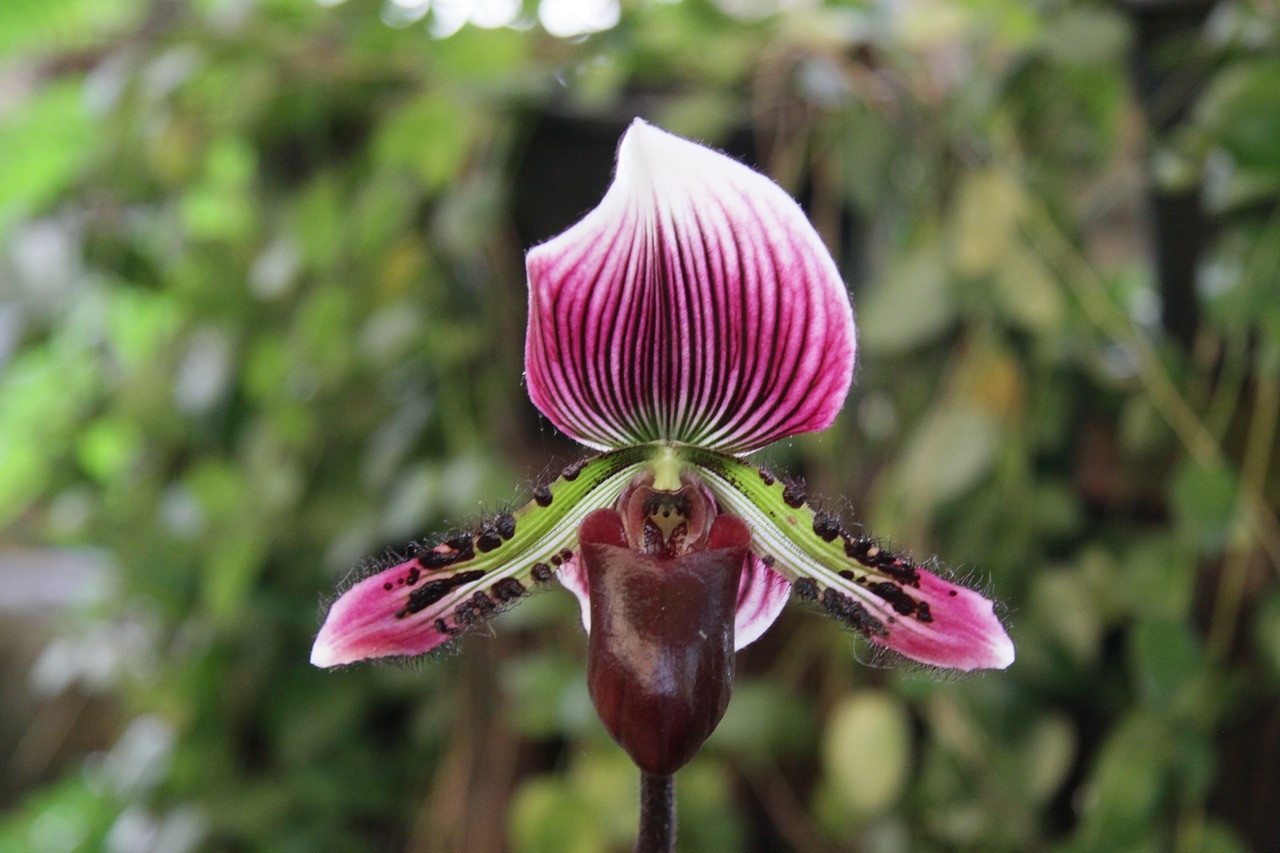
(695, 304)
(761, 596)
(573, 577)
(762, 593)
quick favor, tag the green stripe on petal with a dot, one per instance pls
(884, 596)
(441, 592)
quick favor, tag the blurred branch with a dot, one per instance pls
(1225, 398)
(786, 811)
(1253, 478)
(161, 17)
(1101, 310)
(477, 773)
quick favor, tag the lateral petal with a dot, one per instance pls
(441, 592)
(695, 304)
(886, 597)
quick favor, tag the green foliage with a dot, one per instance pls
(261, 305)
(867, 730)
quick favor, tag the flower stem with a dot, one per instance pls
(657, 814)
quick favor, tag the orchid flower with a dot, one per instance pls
(690, 319)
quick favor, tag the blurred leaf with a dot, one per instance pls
(866, 751)
(71, 815)
(607, 786)
(992, 380)
(1167, 661)
(44, 142)
(539, 688)
(479, 57)
(220, 207)
(219, 488)
(430, 137)
(1049, 751)
(1193, 754)
(108, 447)
(1242, 109)
(1266, 636)
(43, 393)
(1029, 294)
(1204, 502)
(1125, 786)
(1216, 837)
(703, 115)
(1142, 429)
(1085, 36)
(1156, 575)
(705, 810)
(28, 26)
(593, 809)
(764, 722)
(318, 220)
(948, 454)
(908, 307)
(986, 217)
(1238, 114)
(865, 147)
(322, 329)
(140, 324)
(546, 817)
(934, 24)
(460, 225)
(23, 477)
(1064, 610)
(1056, 509)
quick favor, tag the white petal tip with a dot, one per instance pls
(1002, 654)
(324, 655)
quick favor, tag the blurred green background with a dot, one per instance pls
(261, 316)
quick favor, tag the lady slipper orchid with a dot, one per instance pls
(693, 317)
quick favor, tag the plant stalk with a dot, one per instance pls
(657, 814)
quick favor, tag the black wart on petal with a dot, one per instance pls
(851, 613)
(487, 540)
(793, 494)
(432, 591)
(826, 526)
